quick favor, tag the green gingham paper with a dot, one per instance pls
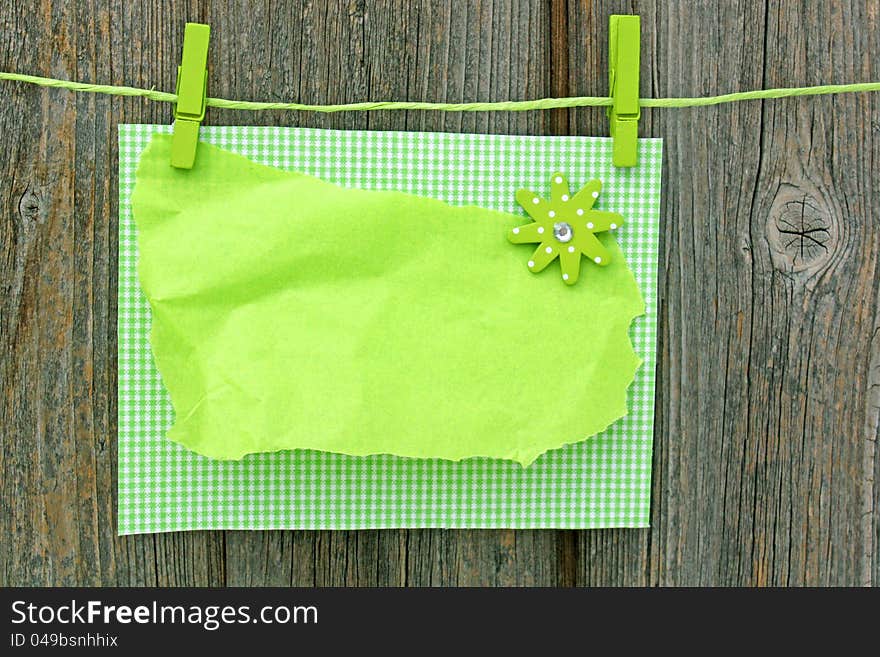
(601, 482)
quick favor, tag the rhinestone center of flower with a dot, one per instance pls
(562, 231)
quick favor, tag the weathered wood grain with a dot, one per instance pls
(766, 466)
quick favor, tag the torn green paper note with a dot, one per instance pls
(290, 313)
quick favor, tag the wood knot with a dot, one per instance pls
(30, 205)
(357, 9)
(800, 232)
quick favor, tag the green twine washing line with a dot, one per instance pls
(500, 106)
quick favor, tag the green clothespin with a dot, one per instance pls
(623, 68)
(192, 90)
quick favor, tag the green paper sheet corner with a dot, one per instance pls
(290, 313)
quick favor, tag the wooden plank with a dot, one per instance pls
(818, 269)
(94, 276)
(765, 430)
(42, 464)
(766, 467)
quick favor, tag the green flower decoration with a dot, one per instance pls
(565, 226)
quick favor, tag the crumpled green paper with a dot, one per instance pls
(288, 312)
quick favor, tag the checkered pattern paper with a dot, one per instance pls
(604, 481)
